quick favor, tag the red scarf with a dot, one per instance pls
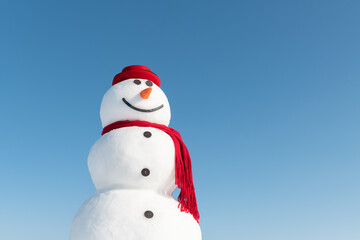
(183, 172)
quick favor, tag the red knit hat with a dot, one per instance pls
(136, 71)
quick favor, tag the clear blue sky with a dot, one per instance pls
(266, 95)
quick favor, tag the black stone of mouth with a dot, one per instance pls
(142, 110)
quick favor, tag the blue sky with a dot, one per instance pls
(266, 95)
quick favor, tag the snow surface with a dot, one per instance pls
(119, 214)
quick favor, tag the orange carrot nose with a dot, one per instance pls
(145, 94)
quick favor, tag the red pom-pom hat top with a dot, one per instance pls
(137, 71)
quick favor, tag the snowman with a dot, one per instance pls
(135, 166)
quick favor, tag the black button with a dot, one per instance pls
(145, 172)
(149, 83)
(148, 214)
(147, 134)
(137, 81)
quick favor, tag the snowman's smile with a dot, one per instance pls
(142, 110)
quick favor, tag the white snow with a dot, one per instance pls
(119, 214)
(118, 157)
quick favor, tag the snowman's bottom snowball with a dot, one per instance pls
(120, 215)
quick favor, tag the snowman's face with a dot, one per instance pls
(135, 99)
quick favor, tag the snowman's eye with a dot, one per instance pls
(137, 81)
(149, 83)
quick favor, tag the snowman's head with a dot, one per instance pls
(135, 99)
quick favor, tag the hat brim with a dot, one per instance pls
(148, 75)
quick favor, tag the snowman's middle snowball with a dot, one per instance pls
(119, 157)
